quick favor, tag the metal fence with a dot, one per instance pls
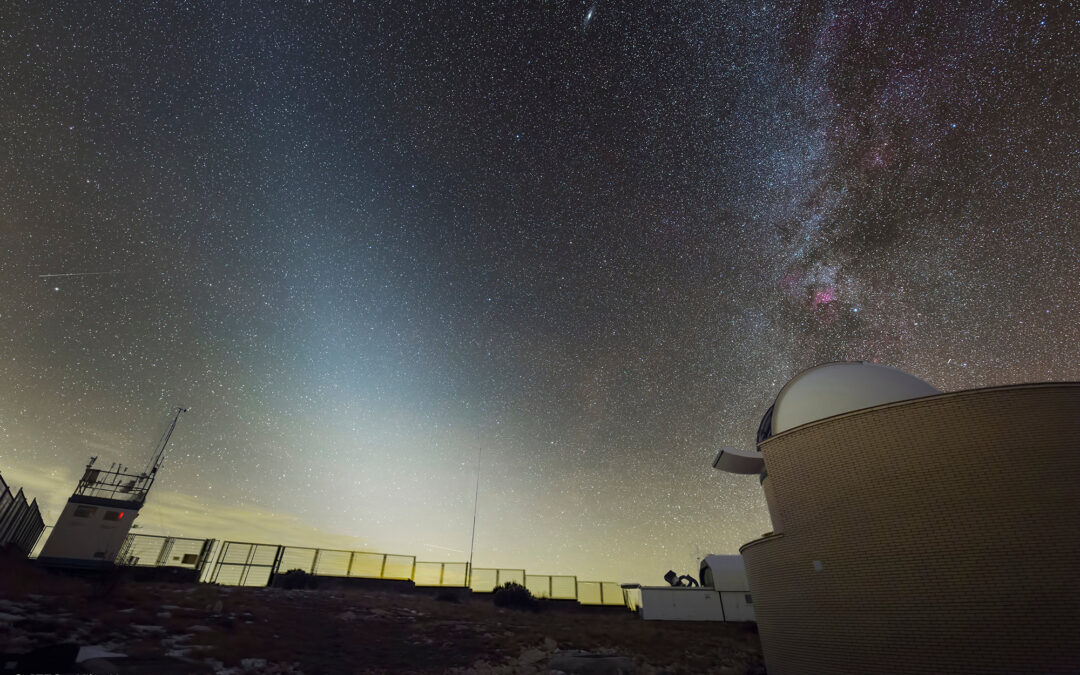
(440, 574)
(151, 550)
(486, 580)
(245, 564)
(252, 564)
(20, 522)
(551, 586)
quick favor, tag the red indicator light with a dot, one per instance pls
(120, 516)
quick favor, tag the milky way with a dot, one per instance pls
(360, 241)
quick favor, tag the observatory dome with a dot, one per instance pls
(834, 388)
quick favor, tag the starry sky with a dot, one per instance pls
(362, 241)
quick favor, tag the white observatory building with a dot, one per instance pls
(99, 514)
(916, 531)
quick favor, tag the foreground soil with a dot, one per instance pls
(205, 628)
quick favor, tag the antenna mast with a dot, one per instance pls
(160, 454)
(476, 506)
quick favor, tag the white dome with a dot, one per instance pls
(835, 388)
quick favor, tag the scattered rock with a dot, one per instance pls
(531, 656)
(587, 663)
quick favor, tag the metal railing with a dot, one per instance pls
(151, 550)
(20, 522)
(253, 564)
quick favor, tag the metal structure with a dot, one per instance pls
(151, 550)
(252, 564)
(94, 525)
(20, 522)
(116, 483)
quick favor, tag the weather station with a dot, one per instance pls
(101, 511)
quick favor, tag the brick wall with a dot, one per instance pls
(945, 530)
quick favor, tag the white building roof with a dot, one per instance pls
(834, 388)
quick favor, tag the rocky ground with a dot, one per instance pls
(118, 625)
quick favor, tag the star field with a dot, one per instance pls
(361, 241)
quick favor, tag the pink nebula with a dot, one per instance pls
(824, 296)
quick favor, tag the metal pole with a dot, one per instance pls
(476, 504)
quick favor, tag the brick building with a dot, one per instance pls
(920, 532)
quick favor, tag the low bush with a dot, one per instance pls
(297, 578)
(515, 596)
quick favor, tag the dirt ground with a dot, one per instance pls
(206, 628)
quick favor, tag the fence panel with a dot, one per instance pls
(185, 552)
(332, 563)
(6, 500)
(40, 543)
(142, 550)
(454, 574)
(13, 517)
(245, 564)
(539, 585)
(398, 567)
(235, 553)
(563, 587)
(511, 576)
(611, 593)
(367, 565)
(484, 580)
(439, 574)
(428, 574)
(297, 558)
(590, 593)
(33, 531)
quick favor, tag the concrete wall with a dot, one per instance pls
(934, 536)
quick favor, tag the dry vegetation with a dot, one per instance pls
(343, 630)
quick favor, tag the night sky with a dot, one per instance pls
(362, 241)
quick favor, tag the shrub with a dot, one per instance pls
(515, 596)
(296, 578)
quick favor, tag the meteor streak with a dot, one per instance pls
(74, 274)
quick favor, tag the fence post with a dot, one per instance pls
(247, 564)
(204, 557)
(166, 549)
(315, 560)
(217, 563)
(276, 569)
